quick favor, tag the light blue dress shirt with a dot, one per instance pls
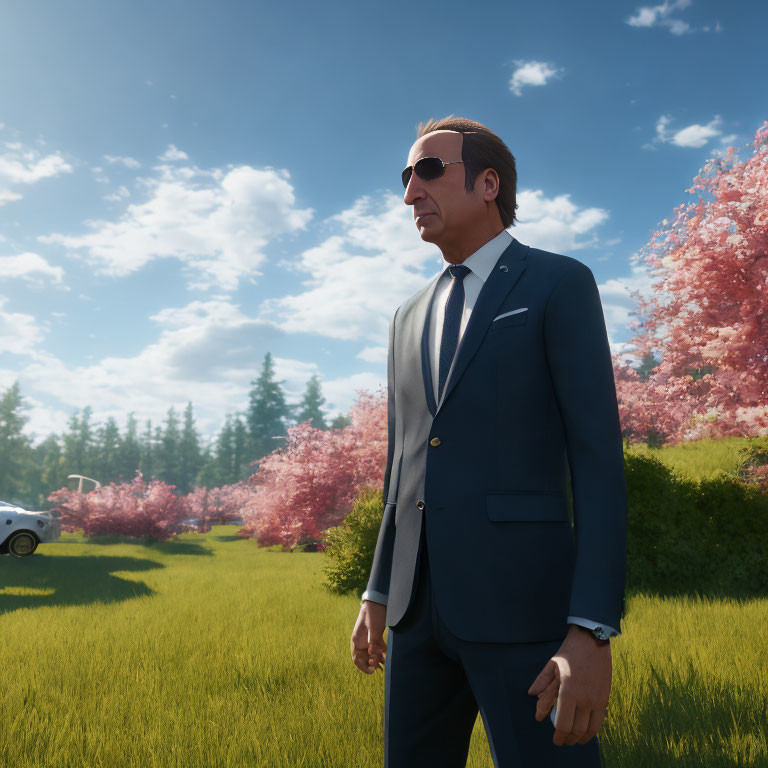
(481, 264)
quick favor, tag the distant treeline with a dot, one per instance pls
(172, 452)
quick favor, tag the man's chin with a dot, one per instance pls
(428, 234)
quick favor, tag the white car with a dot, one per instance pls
(22, 531)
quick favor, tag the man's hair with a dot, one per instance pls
(481, 148)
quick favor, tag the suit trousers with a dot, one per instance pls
(435, 683)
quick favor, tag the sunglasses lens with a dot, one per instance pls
(407, 176)
(429, 168)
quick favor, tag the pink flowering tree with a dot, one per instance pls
(309, 485)
(136, 509)
(217, 506)
(708, 322)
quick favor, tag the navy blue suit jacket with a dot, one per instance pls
(530, 397)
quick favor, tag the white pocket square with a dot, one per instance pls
(513, 312)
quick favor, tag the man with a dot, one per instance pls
(500, 389)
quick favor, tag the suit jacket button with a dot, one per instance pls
(435, 441)
(420, 504)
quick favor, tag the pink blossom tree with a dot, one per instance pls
(709, 319)
(137, 509)
(217, 506)
(310, 484)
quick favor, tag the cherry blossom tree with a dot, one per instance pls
(709, 319)
(217, 506)
(309, 485)
(137, 509)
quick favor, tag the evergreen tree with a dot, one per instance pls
(50, 476)
(147, 463)
(340, 422)
(78, 445)
(130, 451)
(645, 369)
(107, 458)
(267, 412)
(209, 470)
(189, 453)
(310, 405)
(241, 469)
(225, 453)
(14, 445)
(168, 458)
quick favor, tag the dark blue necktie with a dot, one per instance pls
(454, 309)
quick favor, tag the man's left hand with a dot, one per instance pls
(579, 677)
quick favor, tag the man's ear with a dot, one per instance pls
(490, 181)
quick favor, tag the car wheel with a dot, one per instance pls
(22, 544)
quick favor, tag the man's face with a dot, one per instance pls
(442, 209)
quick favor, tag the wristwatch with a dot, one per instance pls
(600, 633)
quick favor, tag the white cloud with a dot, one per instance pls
(207, 352)
(659, 15)
(370, 261)
(128, 162)
(20, 333)
(119, 194)
(216, 222)
(358, 275)
(29, 266)
(99, 175)
(694, 135)
(172, 154)
(6, 196)
(531, 73)
(22, 166)
(555, 224)
(375, 260)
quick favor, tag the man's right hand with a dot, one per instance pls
(367, 644)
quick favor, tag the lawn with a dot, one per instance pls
(212, 651)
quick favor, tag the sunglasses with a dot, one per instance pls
(427, 169)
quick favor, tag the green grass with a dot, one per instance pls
(701, 458)
(212, 651)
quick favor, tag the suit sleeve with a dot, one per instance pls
(581, 369)
(381, 569)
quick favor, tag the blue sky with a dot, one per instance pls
(185, 186)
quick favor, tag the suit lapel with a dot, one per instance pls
(510, 265)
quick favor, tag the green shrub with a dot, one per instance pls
(683, 535)
(707, 535)
(350, 546)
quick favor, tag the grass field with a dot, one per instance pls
(212, 651)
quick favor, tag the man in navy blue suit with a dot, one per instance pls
(499, 597)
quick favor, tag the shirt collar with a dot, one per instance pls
(484, 259)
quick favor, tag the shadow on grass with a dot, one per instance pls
(64, 580)
(169, 547)
(686, 708)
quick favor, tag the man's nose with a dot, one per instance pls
(414, 190)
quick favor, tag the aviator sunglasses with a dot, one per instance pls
(427, 169)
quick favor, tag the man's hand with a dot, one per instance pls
(367, 644)
(579, 677)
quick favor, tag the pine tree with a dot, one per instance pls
(189, 453)
(225, 452)
(147, 463)
(310, 405)
(50, 475)
(340, 422)
(107, 458)
(78, 444)
(14, 444)
(130, 451)
(168, 459)
(267, 412)
(240, 454)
